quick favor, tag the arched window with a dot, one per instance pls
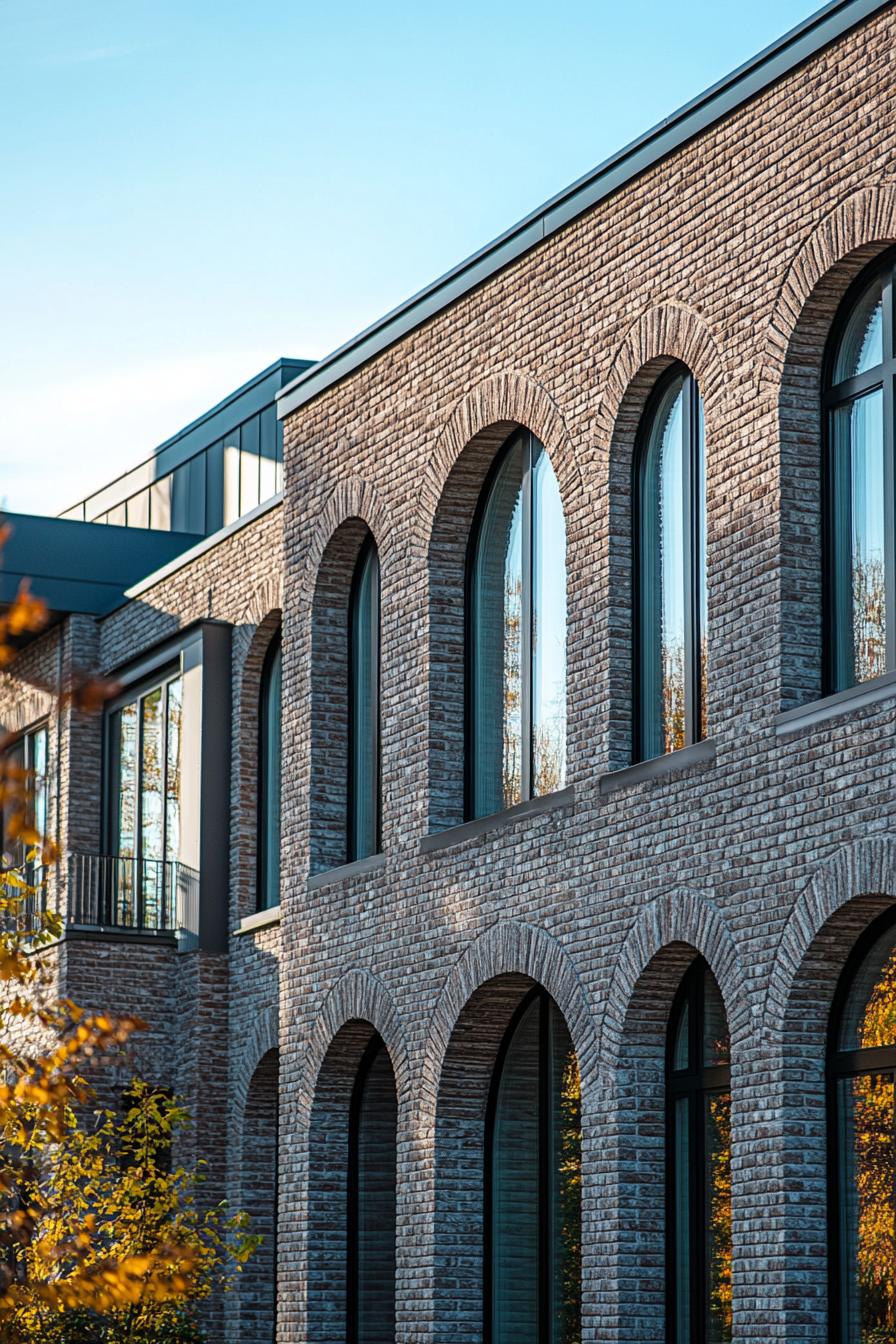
(862, 1090)
(269, 778)
(858, 405)
(516, 722)
(370, 1297)
(533, 1265)
(670, 570)
(364, 707)
(698, 1220)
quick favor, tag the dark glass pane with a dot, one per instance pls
(718, 1217)
(188, 496)
(682, 1215)
(861, 346)
(663, 523)
(214, 487)
(867, 1227)
(681, 1049)
(375, 1233)
(497, 595)
(364, 784)
(869, 1016)
(548, 628)
(269, 896)
(859, 565)
(515, 1189)
(702, 602)
(565, 1198)
(716, 1041)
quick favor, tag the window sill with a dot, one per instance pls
(262, 919)
(834, 706)
(374, 864)
(472, 830)
(673, 763)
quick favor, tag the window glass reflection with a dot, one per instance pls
(269, 802)
(867, 1233)
(548, 630)
(861, 347)
(858, 434)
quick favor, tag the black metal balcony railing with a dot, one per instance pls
(108, 891)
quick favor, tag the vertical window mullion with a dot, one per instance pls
(691, 694)
(526, 646)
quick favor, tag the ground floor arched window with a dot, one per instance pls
(370, 1296)
(533, 1182)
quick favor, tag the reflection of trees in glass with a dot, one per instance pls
(719, 1153)
(674, 716)
(512, 775)
(869, 618)
(570, 1201)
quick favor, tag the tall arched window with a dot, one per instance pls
(670, 570)
(862, 1092)
(269, 778)
(533, 1263)
(364, 706)
(370, 1297)
(516, 721)
(698, 1220)
(858, 404)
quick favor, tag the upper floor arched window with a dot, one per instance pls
(269, 777)
(516, 692)
(364, 706)
(698, 1229)
(371, 1200)
(533, 1266)
(670, 570)
(858, 409)
(862, 1093)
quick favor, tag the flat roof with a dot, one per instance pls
(790, 51)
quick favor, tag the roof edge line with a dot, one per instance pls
(745, 82)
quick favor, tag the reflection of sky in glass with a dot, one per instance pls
(151, 793)
(548, 630)
(866, 436)
(672, 579)
(513, 622)
(862, 346)
(172, 786)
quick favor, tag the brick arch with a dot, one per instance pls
(265, 1036)
(862, 223)
(351, 500)
(661, 336)
(358, 996)
(683, 917)
(509, 948)
(492, 409)
(670, 331)
(267, 597)
(863, 870)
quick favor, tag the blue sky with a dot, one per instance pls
(192, 189)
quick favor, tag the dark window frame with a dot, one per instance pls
(371, 1054)
(26, 739)
(369, 548)
(696, 1084)
(834, 396)
(840, 1064)
(694, 469)
(275, 645)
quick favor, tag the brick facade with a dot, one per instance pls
(767, 853)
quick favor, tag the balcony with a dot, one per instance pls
(119, 894)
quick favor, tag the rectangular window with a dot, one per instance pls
(145, 743)
(28, 782)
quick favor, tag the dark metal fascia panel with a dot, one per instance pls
(759, 73)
